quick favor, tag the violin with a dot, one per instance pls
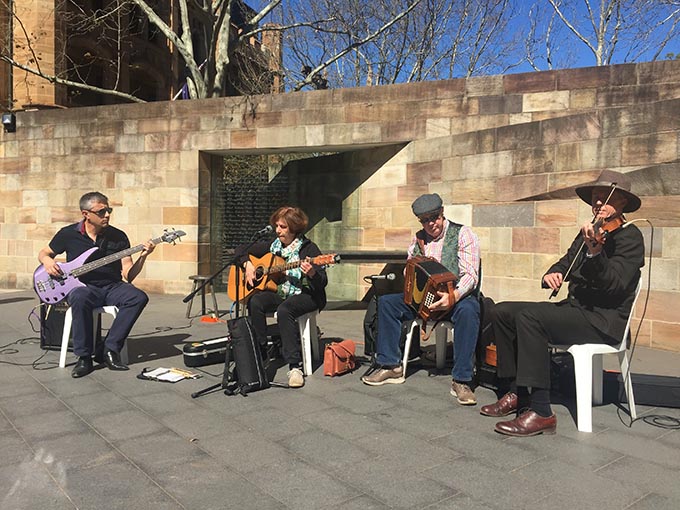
(604, 226)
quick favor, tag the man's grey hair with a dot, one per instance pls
(91, 198)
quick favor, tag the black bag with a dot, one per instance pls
(371, 332)
(371, 326)
(249, 370)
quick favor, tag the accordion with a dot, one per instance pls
(424, 278)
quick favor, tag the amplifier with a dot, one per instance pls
(648, 389)
(52, 326)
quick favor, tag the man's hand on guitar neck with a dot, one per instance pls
(130, 269)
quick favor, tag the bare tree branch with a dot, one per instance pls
(353, 46)
(56, 79)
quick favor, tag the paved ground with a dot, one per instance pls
(110, 440)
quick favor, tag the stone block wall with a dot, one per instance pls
(503, 151)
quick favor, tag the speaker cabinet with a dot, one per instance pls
(52, 326)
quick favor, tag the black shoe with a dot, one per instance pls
(83, 367)
(112, 360)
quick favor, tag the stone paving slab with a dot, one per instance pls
(110, 440)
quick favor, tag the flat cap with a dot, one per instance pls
(426, 204)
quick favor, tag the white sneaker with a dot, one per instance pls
(296, 378)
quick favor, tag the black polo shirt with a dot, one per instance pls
(73, 240)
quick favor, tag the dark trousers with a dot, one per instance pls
(524, 330)
(130, 302)
(287, 311)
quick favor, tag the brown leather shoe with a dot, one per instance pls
(529, 423)
(506, 405)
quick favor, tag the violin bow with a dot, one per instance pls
(576, 257)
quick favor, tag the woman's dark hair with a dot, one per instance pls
(295, 218)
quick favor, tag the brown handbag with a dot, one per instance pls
(338, 358)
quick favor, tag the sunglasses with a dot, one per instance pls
(102, 212)
(430, 218)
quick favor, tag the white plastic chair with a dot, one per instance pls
(68, 321)
(588, 374)
(309, 339)
(441, 332)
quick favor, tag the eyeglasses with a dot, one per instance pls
(101, 212)
(430, 218)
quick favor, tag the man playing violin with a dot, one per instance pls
(602, 267)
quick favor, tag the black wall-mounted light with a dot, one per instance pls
(9, 122)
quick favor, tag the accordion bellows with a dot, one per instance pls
(424, 278)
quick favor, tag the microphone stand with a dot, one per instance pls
(237, 278)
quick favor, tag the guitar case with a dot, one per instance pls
(207, 352)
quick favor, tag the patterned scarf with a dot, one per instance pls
(292, 284)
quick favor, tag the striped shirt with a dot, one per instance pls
(468, 256)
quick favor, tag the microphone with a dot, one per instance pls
(264, 231)
(388, 276)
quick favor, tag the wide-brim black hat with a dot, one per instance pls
(606, 179)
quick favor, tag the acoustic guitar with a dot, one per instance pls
(269, 271)
(53, 289)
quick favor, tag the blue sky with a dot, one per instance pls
(568, 51)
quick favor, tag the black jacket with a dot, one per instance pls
(604, 286)
(316, 286)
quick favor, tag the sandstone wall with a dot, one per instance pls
(503, 151)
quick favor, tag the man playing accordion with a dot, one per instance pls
(457, 248)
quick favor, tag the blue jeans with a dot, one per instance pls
(392, 311)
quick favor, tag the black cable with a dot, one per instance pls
(7, 350)
(661, 421)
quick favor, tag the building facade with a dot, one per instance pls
(99, 43)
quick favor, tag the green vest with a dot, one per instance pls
(449, 256)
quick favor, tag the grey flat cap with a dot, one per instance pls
(426, 204)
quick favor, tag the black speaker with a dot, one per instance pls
(52, 326)
(648, 389)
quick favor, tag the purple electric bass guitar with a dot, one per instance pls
(51, 289)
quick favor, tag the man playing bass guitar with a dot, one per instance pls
(103, 286)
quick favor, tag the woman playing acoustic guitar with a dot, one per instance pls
(290, 293)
